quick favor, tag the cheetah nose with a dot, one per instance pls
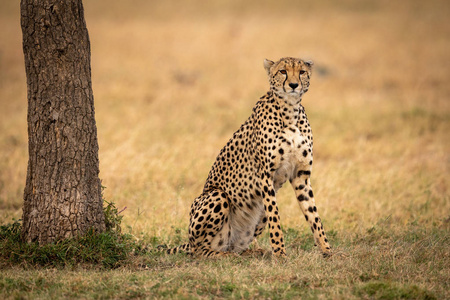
(293, 85)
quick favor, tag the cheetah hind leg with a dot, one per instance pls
(209, 229)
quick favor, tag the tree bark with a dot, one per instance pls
(62, 196)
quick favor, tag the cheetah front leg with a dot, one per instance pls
(305, 196)
(261, 226)
(273, 217)
(258, 230)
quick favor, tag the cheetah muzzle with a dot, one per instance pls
(274, 145)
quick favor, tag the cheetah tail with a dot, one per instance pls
(185, 248)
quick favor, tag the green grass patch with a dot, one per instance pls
(109, 249)
(390, 290)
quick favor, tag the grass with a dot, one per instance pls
(171, 84)
(383, 264)
(106, 249)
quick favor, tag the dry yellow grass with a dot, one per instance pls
(172, 81)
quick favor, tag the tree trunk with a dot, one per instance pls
(62, 196)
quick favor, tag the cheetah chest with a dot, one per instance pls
(294, 153)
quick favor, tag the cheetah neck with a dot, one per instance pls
(290, 109)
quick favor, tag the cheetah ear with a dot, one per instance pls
(309, 63)
(267, 65)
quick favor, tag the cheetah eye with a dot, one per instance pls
(302, 72)
(283, 72)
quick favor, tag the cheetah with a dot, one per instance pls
(274, 145)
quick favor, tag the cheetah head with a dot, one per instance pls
(289, 77)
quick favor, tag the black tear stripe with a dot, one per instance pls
(284, 90)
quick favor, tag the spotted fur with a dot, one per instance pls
(274, 145)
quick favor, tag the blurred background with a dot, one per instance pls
(173, 80)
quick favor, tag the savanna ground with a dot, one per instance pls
(172, 81)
